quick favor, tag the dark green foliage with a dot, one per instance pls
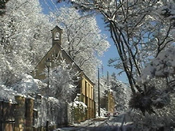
(142, 102)
(167, 12)
(150, 99)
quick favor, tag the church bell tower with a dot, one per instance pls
(56, 35)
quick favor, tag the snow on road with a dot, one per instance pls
(102, 124)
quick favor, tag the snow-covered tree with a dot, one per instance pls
(24, 35)
(159, 77)
(139, 30)
(162, 66)
(62, 82)
(121, 93)
(82, 39)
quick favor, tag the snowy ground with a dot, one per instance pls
(102, 124)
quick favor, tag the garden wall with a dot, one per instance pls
(36, 113)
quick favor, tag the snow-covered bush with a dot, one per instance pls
(78, 110)
(27, 84)
(7, 94)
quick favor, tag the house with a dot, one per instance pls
(87, 96)
(85, 86)
(108, 101)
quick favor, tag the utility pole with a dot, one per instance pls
(108, 79)
(48, 64)
(98, 92)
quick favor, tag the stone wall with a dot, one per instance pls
(19, 113)
(36, 113)
(29, 114)
(20, 116)
(6, 115)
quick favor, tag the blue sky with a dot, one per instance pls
(111, 52)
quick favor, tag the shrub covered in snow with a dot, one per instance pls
(27, 84)
(7, 94)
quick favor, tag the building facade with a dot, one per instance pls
(87, 96)
(85, 86)
(108, 101)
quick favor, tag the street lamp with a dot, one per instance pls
(99, 103)
(48, 64)
(78, 97)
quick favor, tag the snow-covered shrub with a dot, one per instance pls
(7, 94)
(27, 84)
(154, 97)
(78, 111)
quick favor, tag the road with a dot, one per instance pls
(107, 124)
(110, 124)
